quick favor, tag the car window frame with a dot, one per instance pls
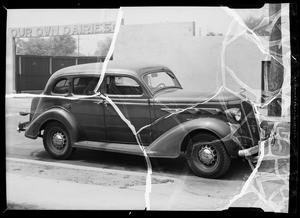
(56, 81)
(124, 75)
(156, 71)
(80, 76)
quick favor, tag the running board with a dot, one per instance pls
(113, 147)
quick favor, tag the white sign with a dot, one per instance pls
(80, 29)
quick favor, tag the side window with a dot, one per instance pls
(159, 79)
(122, 85)
(61, 87)
(84, 85)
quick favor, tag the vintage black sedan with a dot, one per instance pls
(73, 112)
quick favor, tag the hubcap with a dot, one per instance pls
(207, 155)
(58, 140)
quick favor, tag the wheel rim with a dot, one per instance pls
(206, 157)
(58, 142)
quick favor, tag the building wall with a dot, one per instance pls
(33, 72)
(10, 64)
(196, 61)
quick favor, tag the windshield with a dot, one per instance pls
(160, 80)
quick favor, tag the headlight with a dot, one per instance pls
(235, 113)
(238, 115)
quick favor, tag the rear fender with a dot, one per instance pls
(169, 144)
(53, 114)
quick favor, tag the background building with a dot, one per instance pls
(196, 61)
(205, 62)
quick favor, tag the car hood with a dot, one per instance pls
(183, 96)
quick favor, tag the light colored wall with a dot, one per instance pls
(196, 61)
(10, 64)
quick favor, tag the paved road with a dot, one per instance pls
(213, 192)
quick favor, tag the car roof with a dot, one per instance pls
(113, 67)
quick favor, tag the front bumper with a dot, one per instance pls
(23, 126)
(255, 149)
(267, 138)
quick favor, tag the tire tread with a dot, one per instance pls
(225, 164)
(70, 150)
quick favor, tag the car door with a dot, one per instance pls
(131, 99)
(89, 111)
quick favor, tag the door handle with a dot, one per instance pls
(105, 103)
(101, 101)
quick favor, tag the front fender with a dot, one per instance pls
(53, 114)
(169, 143)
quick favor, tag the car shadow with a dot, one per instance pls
(176, 167)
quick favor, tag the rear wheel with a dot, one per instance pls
(57, 141)
(207, 156)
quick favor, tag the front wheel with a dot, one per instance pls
(207, 156)
(57, 141)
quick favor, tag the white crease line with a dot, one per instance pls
(240, 82)
(261, 46)
(250, 179)
(132, 128)
(149, 168)
(102, 73)
(195, 105)
(223, 77)
(237, 19)
(111, 48)
(179, 111)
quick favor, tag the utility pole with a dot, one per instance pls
(78, 45)
(275, 76)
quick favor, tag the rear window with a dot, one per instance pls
(84, 85)
(61, 87)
